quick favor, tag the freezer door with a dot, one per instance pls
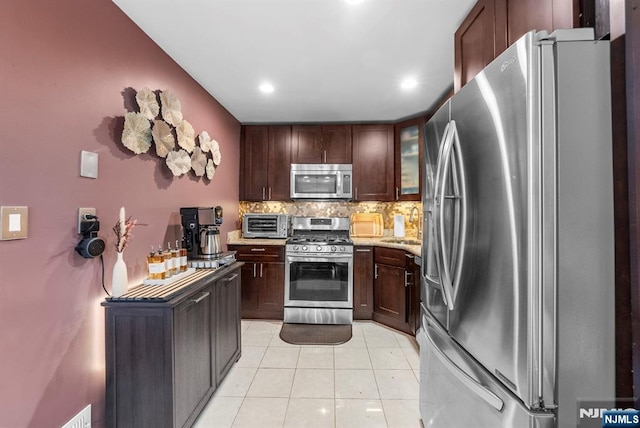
(495, 127)
(455, 391)
(435, 132)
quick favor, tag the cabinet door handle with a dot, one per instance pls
(263, 193)
(356, 198)
(254, 270)
(410, 256)
(375, 271)
(406, 279)
(397, 193)
(201, 298)
(260, 270)
(269, 193)
(363, 250)
(324, 153)
(256, 250)
(231, 278)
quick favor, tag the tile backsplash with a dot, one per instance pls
(338, 209)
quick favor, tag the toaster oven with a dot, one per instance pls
(262, 225)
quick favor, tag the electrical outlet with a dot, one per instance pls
(81, 420)
(82, 212)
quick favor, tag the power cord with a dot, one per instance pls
(103, 287)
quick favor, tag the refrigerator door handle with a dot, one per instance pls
(473, 385)
(444, 163)
(429, 272)
(460, 189)
(437, 256)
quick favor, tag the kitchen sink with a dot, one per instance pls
(405, 241)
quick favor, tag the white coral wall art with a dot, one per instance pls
(136, 135)
(171, 108)
(210, 169)
(179, 162)
(216, 155)
(163, 137)
(198, 161)
(186, 136)
(148, 104)
(205, 141)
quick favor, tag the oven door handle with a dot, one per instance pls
(320, 257)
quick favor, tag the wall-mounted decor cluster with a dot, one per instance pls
(162, 124)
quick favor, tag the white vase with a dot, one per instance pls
(119, 281)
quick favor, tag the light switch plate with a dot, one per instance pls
(13, 223)
(88, 164)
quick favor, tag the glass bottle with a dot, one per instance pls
(155, 265)
(183, 257)
(166, 257)
(175, 259)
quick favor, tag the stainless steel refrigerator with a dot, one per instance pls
(518, 253)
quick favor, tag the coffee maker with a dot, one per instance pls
(201, 233)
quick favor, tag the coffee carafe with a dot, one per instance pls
(210, 241)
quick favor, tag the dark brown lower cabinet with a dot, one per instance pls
(362, 283)
(227, 315)
(396, 288)
(194, 351)
(262, 280)
(413, 306)
(165, 359)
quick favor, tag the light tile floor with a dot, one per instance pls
(370, 381)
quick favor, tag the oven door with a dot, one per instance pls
(319, 281)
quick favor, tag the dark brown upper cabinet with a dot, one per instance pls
(408, 158)
(321, 144)
(493, 25)
(373, 154)
(264, 163)
(478, 40)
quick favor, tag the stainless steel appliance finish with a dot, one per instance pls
(463, 393)
(321, 181)
(319, 272)
(261, 225)
(210, 241)
(518, 266)
(200, 231)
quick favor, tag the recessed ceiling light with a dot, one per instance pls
(409, 83)
(354, 1)
(266, 88)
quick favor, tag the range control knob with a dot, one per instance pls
(342, 248)
(319, 248)
(304, 248)
(333, 248)
(295, 248)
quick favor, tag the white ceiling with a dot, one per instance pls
(329, 61)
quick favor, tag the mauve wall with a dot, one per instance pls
(66, 72)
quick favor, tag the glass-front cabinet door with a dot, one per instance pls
(408, 146)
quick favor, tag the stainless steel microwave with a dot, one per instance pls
(321, 181)
(265, 225)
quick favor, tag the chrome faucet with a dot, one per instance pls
(419, 222)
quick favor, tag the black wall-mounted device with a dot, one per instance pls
(91, 245)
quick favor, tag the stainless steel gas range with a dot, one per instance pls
(319, 272)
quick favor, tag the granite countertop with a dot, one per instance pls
(235, 238)
(384, 242)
